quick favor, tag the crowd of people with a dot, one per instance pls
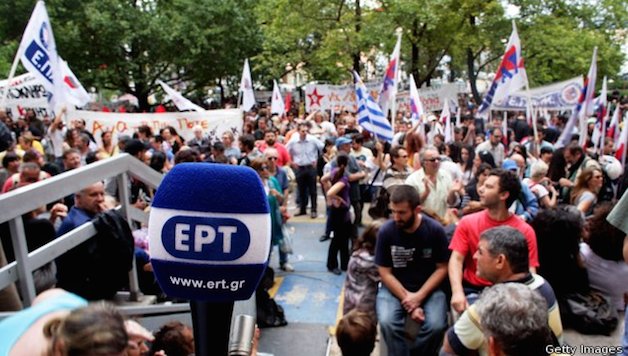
(494, 204)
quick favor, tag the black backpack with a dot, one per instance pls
(98, 268)
(269, 313)
(590, 313)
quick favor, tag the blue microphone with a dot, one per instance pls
(209, 232)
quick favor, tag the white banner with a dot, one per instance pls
(213, 122)
(433, 99)
(558, 96)
(342, 97)
(26, 92)
(338, 97)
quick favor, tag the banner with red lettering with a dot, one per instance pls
(213, 122)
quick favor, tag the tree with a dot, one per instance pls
(126, 45)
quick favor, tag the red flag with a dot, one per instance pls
(288, 101)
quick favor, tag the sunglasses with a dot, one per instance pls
(263, 168)
(273, 158)
(432, 160)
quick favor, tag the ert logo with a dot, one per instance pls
(205, 239)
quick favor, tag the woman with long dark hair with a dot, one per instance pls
(467, 155)
(339, 202)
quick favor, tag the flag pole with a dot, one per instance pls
(393, 107)
(535, 146)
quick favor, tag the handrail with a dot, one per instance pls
(28, 198)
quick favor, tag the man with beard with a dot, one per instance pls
(270, 140)
(411, 255)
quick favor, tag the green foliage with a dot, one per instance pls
(126, 45)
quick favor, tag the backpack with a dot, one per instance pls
(590, 313)
(99, 267)
(269, 313)
(379, 206)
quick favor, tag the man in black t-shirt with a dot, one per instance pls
(411, 255)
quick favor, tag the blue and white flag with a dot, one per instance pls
(370, 115)
(38, 53)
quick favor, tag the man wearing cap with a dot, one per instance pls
(343, 144)
(304, 150)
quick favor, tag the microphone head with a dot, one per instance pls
(209, 232)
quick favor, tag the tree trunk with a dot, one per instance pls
(141, 93)
(222, 93)
(473, 76)
(358, 28)
(471, 68)
(414, 60)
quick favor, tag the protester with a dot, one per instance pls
(524, 335)
(502, 258)
(499, 191)
(411, 254)
(584, 192)
(62, 323)
(436, 187)
(339, 200)
(362, 274)
(601, 254)
(356, 334)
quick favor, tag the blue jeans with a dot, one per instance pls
(392, 318)
(625, 340)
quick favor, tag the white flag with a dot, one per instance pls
(597, 137)
(277, 106)
(416, 106)
(445, 118)
(179, 100)
(246, 86)
(73, 90)
(38, 53)
(509, 77)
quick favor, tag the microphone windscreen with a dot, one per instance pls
(209, 232)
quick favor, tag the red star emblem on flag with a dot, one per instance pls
(315, 98)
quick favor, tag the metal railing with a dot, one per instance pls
(28, 198)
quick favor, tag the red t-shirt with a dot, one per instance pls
(284, 156)
(467, 236)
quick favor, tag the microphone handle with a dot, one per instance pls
(211, 323)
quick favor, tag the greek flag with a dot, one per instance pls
(370, 115)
